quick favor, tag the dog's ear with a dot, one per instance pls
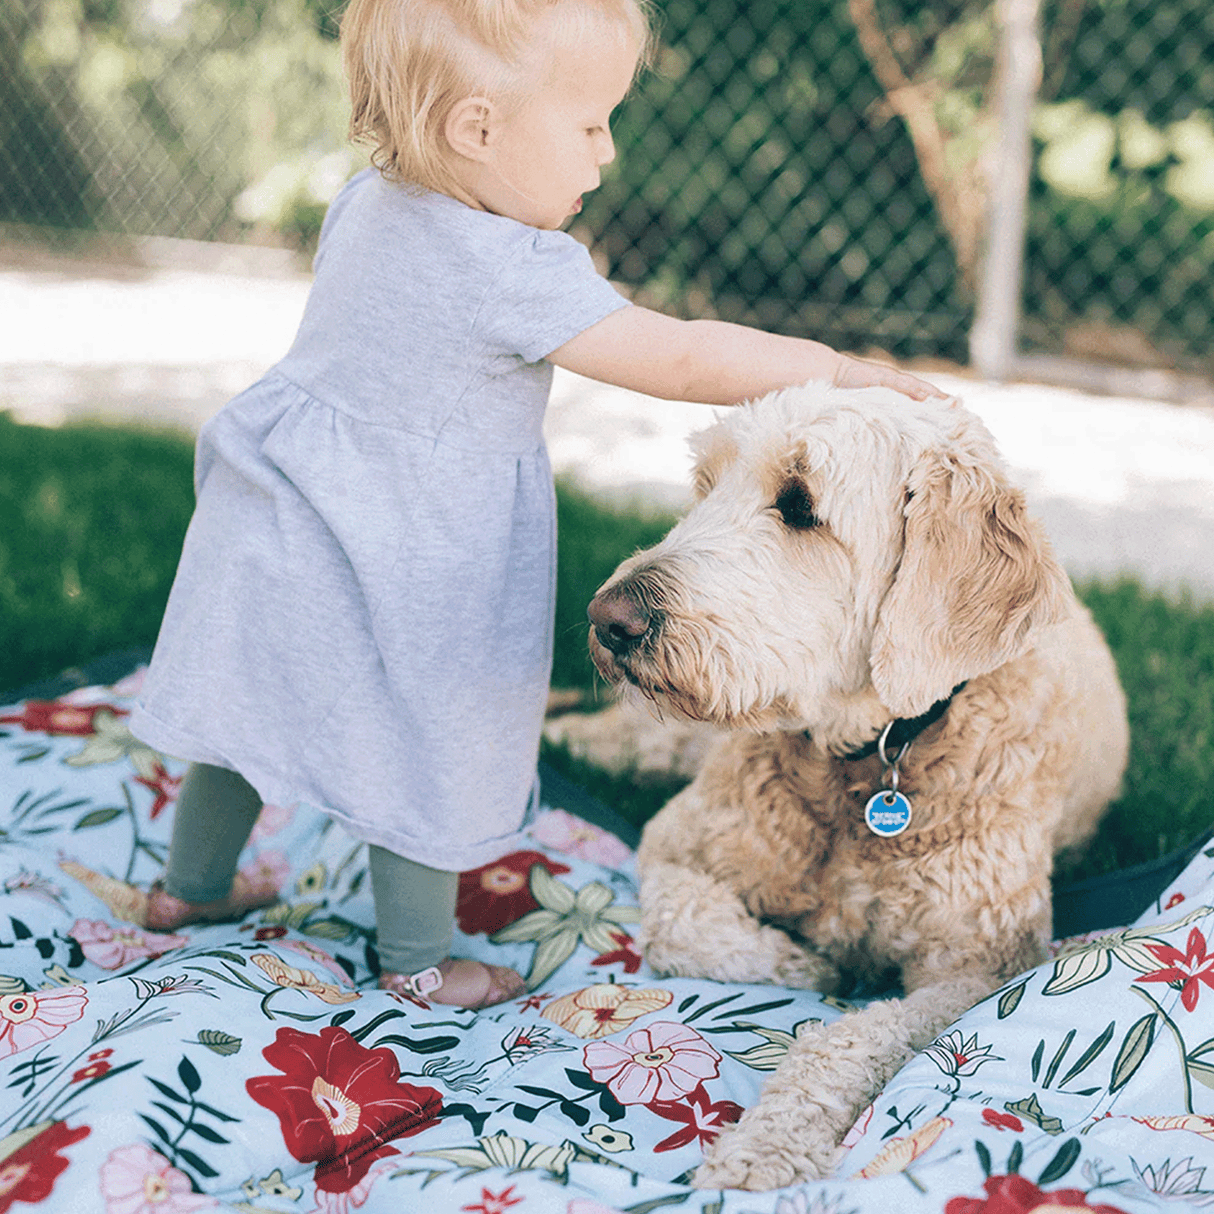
(712, 449)
(975, 583)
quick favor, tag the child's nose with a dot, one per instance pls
(606, 148)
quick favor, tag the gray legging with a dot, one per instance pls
(216, 810)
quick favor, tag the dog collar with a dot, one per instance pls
(888, 811)
(901, 731)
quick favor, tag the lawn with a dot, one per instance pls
(92, 519)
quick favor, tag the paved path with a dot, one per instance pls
(1123, 485)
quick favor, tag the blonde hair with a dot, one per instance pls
(408, 62)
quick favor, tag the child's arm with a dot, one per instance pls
(712, 361)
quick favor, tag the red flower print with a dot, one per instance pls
(405, 997)
(1183, 971)
(339, 1104)
(275, 932)
(165, 786)
(626, 952)
(1174, 900)
(94, 1070)
(28, 1175)
(1002, 1121)
(59, 718)
(494, 1203)
(702, 1120)
(496, 894)
(533, 1003)
(1015, 1195)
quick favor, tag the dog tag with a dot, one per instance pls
(887, 813)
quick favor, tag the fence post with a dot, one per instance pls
(1017, 77)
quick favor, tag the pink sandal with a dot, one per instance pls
(500, 984)
(165, 912)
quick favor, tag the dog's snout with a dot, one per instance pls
(619, 620)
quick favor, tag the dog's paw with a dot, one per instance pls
(752, 1158)
(800, 968)
(694, 926)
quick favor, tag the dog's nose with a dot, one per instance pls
(619, 620)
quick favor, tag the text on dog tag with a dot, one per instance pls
(887, 813)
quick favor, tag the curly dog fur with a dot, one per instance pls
(852, 557)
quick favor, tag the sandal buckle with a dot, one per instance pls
(425, 981)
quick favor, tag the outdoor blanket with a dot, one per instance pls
(256, 1067)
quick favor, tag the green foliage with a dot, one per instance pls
(1119, 201)
(758, 180)
(762, 176)
(593, 539)
(1164, 650)
(154, 117)
(91, 525)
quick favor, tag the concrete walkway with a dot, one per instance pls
(1123, 485)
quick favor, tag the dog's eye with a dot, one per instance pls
(796, 507)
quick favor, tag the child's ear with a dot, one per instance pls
(470, 127)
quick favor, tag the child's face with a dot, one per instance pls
(550, 148)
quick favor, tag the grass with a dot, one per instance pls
(91, 524)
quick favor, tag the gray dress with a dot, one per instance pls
(362, 616)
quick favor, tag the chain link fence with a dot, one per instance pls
(1119, 258)
(810, 168)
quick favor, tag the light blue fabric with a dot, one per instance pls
(257, 1064)
(362, 617)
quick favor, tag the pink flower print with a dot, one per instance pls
(662, 1062)
(34, 1016)
(858, 1130)
(268, 871)
(270, 821)
(573, 836)
(130, 686)
(1183, 971)
(113, 947)
(136, 1180)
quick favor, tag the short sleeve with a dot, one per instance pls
(546, 293)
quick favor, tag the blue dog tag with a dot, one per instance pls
(887, 813)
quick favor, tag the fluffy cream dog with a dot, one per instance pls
(856, 566)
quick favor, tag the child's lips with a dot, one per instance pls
(577, 206)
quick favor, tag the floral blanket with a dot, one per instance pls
(256, 1067)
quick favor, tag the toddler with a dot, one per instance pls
(362, 618)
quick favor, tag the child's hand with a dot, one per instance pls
(857, 373)
(712, 361)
